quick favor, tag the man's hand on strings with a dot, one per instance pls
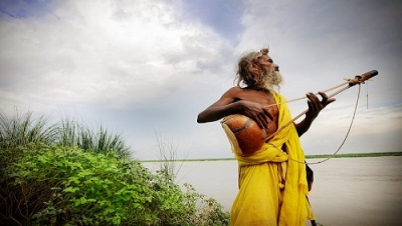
(258, 113)
(315, 105)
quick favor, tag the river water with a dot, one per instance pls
(347, 191)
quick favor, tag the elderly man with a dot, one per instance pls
(272, 181)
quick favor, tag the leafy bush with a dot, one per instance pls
(56, 185)
(77, 187)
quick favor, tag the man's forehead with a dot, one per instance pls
(265, 57)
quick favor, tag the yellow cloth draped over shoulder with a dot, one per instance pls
(273, 189)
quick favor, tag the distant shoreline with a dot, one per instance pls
(351, 155)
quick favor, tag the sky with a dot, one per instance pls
(145, 69)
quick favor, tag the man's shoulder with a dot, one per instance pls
(234, 91)
(246, 93)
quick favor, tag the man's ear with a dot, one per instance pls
(257, 66)
(254, 67)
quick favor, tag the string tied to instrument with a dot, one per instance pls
(359, 79)
(350, 83)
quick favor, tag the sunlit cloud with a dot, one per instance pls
(117, 55)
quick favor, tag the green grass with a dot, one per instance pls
(21, 129)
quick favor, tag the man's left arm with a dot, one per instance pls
(314, 108)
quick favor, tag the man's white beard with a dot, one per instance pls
(271, 79)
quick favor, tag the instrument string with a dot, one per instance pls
(298, 116)
(347, 133)
(304, 112)
(301, 98)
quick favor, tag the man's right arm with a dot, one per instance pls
(230, 104)
(223, 107)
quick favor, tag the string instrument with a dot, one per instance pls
(246, 137)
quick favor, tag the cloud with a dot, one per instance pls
(222, 16)
(115, 54)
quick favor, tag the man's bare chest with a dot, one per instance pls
(265, 99)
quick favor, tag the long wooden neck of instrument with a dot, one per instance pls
(357, 80)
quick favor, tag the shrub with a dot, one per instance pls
(76, 187)
(56, 185)
(66, 174)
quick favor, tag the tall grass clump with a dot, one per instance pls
(73, 133)
(17, 130)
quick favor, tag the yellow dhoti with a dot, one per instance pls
(272, 184)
